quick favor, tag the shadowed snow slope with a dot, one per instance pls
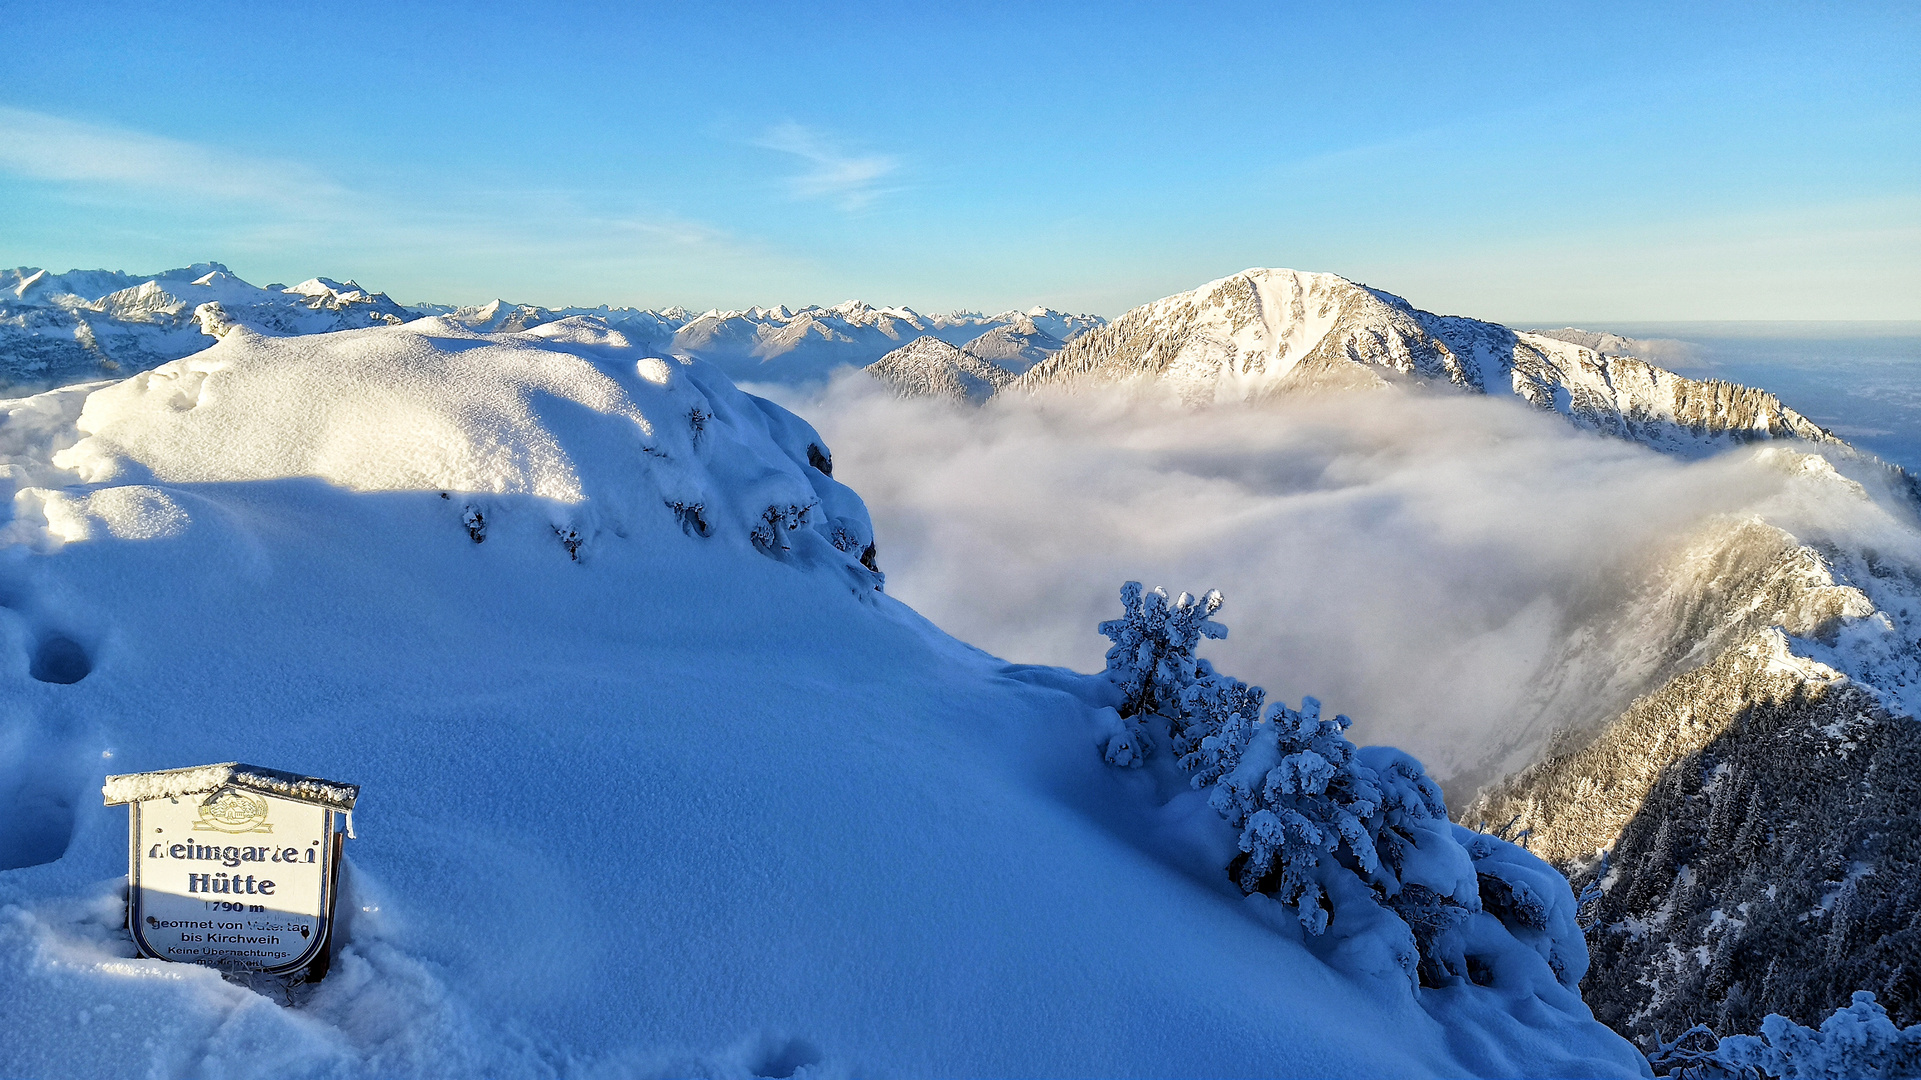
(655, 780)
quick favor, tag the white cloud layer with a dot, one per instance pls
(1413, 561)
(850, 181)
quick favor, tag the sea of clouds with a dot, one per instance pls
(1413, 559)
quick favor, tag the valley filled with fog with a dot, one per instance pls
(1427, 563)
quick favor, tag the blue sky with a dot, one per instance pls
(1523, 162)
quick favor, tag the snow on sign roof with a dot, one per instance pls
(201, 779)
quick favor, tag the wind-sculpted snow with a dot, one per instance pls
(1263, 332)
(570, 417)
(652, 779)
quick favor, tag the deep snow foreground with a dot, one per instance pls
(654, 779)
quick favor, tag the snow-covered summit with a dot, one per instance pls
(1266, 331)
(930, 367)
(603, 437)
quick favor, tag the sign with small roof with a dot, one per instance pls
(233, 866)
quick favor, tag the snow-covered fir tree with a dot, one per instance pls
(1326, 825)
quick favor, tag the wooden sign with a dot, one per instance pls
(232, 865)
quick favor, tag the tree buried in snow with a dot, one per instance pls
(1356, 840)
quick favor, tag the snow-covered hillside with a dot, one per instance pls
(1262, 332)
(89, 324)
(655, 779)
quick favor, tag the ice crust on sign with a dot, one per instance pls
(201, 779)
(659, 781)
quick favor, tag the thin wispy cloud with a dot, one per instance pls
(239, 204)
(850, 181)
(44, 147)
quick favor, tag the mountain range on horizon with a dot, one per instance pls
(90, 324)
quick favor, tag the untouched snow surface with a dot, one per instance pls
(645, 790)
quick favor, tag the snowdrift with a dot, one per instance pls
(655, 779)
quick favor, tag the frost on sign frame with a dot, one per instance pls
(232, 865)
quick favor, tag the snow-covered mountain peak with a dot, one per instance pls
(329, 288)
(23, 278)
(1267, 331)
(930, 367)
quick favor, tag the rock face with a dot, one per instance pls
(1748, 831)
(1262, 332)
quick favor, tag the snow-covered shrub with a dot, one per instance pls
(1211, 704)
(476, 523)
(1309, 802)
(1532, 901)
(1152, 659)
(690, 516)
(770, 535)
(1855, 1041)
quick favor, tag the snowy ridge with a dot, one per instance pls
(1262, 332)
(1752, 779)
(781, 345)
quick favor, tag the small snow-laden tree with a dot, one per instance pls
(1356, 839)
(1152, 659)
(1530, 903)
(1209, 705)
(1856, 1042)
(1309, 803)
